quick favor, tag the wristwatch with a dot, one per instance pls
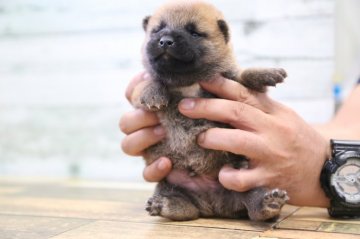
(340, 179)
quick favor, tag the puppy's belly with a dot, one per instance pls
(200, 183)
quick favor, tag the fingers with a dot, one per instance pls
(241, 180)
(137, 119)
(134, 82)
(227, 89)
(158, 170)
(232, 90)
(237, 114)
(135, 143)
(235, 141)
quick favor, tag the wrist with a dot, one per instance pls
(335, 129)
(318, 197)
(309, 191)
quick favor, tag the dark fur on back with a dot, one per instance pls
(188, 42)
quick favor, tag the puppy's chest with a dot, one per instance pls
(188, 91)
(182, 131)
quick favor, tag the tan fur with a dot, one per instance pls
(176, 70)
(178, 13)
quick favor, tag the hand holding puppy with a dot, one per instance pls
(285, 151)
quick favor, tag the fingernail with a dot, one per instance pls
(159, 130)
(201, 138)
(187, 104)
(162, 165)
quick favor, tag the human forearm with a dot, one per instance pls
(346, 123)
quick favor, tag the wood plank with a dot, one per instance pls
(10, 190)
(30, 227)
(130, 211)
(314, 225)
(317, 219)
(52, 200)
(63, 210)
(298, 224)
(318, 214)
(300, 234)
(237, 224)
(84, 209)
(125, 230)
(340, 227)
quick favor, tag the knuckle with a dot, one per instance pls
(236, 112)
(206, 137)
(242, 94)
(287, 129)
(204, 105)
(202, 138)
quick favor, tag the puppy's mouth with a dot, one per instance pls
(167, 55)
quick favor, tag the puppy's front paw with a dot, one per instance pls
(259, 78)
(154, 102)
(274, 76)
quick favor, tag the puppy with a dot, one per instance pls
(188, 42)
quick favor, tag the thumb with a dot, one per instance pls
(240, 180)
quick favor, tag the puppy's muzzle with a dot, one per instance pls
(166, 42)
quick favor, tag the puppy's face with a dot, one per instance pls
(186, 38)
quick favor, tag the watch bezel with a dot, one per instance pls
(331, 166)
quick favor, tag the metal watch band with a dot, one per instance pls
(339, 146)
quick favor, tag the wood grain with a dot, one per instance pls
(73, 209)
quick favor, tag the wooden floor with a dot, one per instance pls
(34, 209)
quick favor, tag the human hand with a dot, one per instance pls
(284, 151)
(143, 129)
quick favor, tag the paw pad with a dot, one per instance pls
(275, 199)
(154, 206)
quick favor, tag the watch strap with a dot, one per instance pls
(339, 211)
(339, 146)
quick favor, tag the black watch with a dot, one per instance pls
(340, 179)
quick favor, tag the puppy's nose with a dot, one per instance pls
(166, 41)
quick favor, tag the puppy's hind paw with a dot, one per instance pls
(154, 206)
(275, 199)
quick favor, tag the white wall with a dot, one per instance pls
(64, 66)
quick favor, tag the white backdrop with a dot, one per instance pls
(64, 66)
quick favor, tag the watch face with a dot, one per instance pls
(346, 181)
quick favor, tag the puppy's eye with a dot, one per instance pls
(193, 31)
(156, 30)
(195, 34)
(159, 28)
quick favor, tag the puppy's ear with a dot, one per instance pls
(224, 29)
(145, 22)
